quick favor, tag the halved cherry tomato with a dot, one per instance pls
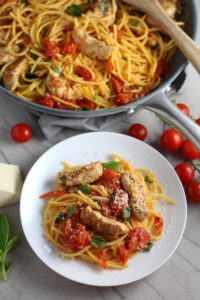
(53, 194)
(184, 108)
(138, 131)
(69, 47)
(162, 68)
(46, 101)
(50, 48)
(110, 179)
(83, 72)
(125, 98)
(117, 84)
(193, 191)
(102, 259)
(171, 140)
(185, 172)
(86, 103)
(158, 225)
(124, 253)
(138, 238)
(189, 151)
(21, 132)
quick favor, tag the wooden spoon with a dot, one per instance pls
(188, 47)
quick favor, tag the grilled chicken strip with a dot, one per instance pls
(12, 73)
(61, 88)
(136, 190)
(5, 56)
(82, 175)
(108, 228)
(90, 46)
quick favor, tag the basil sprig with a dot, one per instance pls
(148, 247)
(97, 241)
(75, 10)
(112, 165)
(85, 188)
(6, 244)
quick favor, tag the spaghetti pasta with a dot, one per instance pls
(94, 219)
(80, 54)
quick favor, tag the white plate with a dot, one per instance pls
(83, 149)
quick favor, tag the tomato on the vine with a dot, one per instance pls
(171, 140)
(21, 133)
(184, 108)
(138, 131)
(185, 172)
(189, 151)
(193, 191)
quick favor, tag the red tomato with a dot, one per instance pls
(197, 121)
(110, 179)
(69, 47)
(46, 101)
(193, 191)
(105, 208)
(185, 172)
(119, 201)
(125, 98)
(117, 84)
(189, 151)
(76, 238)
(53, 194)
(50, 48)
(184, 108)
(102, 259)
(138, 131)
(83, 72)
(60, 105)
(158, 225)
(87, 103)
(162, 68)
(138, 238)
(110, 67)
(124, 253)
(171, 140)
(21, 133)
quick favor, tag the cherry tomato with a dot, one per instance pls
(184, 108)
(51, 194)
(189, 151)
(117, 84)
(125, 98)
(50, 48)
(158, 225)
(46, 101)
(138, 131)
(21, 133)
(197, 121)
(171, 140)
(69, 47)
(193, 191)
(162, 68)
(185, 172)
(83, 72)
(138, 238)
(87, 104)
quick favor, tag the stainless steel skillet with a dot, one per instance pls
(155, 101)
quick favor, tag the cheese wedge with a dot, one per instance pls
(10, 184)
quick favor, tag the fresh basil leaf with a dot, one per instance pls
(4, 231)
(127, 213)
(75, 10)
(148, 179)
(71, 211)
(112, 165)
(13, 242)
(83, 108)
(148, 247)
(97, 241)
(56, 69)
(85, 188)
(61, 217)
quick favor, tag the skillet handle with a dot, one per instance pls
(162, 106)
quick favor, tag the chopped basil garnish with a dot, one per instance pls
(113, 195)
(127, 213)
(71, 211)
(75, 10)
(56, 69)
(112, 165)
(97, 241)
(148, 179)
(31, 75)
(60, 218)
(85, 188)
(134, 22)
(148, 247)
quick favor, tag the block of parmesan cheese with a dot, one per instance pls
(10, 184)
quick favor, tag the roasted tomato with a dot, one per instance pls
(117, 84)
(84, 73)
(53, 194)
(125, 98)
(119, 201)
(69, 47)
(86, 104)
(158, 225)
(137, 239)
(46, 101)
(50, 48)
(110, 179)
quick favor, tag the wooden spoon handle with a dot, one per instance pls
(188, 47)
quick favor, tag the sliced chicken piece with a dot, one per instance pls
(12, 73)
(90, 46)
(61, 87)
(170, 6)
(137, 191)
(108, 228)
(83, 175)
(5, 56)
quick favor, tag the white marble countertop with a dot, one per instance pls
(30, 279)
